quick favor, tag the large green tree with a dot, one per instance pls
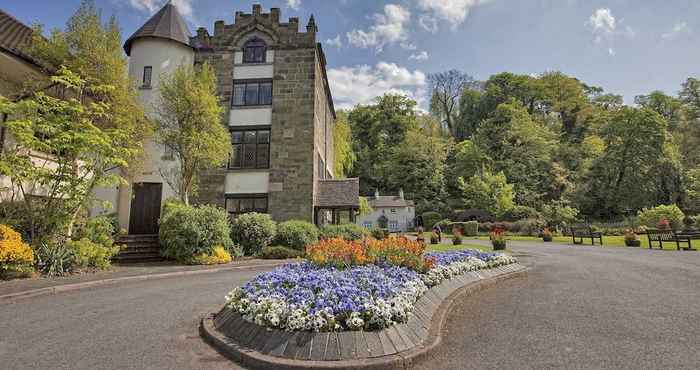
(189, 123)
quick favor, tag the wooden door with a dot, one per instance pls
(145, 208)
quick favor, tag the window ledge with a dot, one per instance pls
(144, 87)
(253, 64)
(243, 107)
(239, 170)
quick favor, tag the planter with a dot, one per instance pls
(633, 243)
(434, 241)
(499, 246)
(456, 241)
(547, 239)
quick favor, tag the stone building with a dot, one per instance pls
(278, 108)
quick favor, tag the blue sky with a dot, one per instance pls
(628, 47)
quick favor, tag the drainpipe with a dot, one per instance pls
(2, 132)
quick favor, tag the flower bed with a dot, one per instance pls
(327, 297)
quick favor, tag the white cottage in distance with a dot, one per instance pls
(399, 212)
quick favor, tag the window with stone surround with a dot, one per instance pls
(251, 149)
(240, 204)
(147, 74)
(251, 93)
(254, 51)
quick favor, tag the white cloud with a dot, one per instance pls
(335, 42)
(151, 6)
(680, 28)
(388, 28)
(408, 46)
(603, 21)
(362, 83)
(423, 55)
(428, 23)
(455, 12)
(611, 52)
(294, 4)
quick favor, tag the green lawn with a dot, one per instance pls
(608, 241)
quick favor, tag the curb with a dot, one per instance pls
(399, 361)
(11, 297)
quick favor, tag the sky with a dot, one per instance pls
(628, 47)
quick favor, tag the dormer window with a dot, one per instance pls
(254, 51)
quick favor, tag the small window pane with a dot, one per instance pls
(261, 205)
(249, 54)
(250, 136)
(236, 137)
(251, 94)
(233, 205)
(263, 155)
(238, 94)
(247, 205)
(249, 155)
(263, 137)
(147, 72)
(266, 93)
(236, 156)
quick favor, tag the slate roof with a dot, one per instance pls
(167, 23)
(389, 201)
(338, 193)
(15, 36)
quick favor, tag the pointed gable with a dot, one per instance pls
(167, 23)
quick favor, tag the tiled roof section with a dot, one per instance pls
(15, 36)
(339, 193)
(167, 23)
(389, 201)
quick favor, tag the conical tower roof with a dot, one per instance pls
(167, 23)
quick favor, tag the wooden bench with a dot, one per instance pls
(581, 232)
(668, 236)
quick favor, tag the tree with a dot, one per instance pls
(189, 123)
(623, 177)
(489, 192)
(343, 155)
(78, 152)
(447, 88)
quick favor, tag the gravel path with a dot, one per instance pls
(581, 308)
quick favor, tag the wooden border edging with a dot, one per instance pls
(401, 360)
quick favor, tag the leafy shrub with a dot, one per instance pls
(485, 227)
(444, 224)
(186, 232)
(280, 253)
(218, 256)
(16, 257)
(296, 234)
(90, 254)
(471, 228)
(54, 258)
(652, 216)
(13, 214)
(520, 213)
(379, 234)
(253, 232)
(430, 219)
(559, 214)
(345, 231)
(529, 227)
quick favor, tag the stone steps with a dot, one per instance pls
(139, 249)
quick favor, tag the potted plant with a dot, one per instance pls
(434, 239)
(498, 238)
(632, 239)
(546, 235)
(456, 236)
(419, 237)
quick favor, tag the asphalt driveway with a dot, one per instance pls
(580, 307)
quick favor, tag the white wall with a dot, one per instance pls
(249, 182)
(164, 56)
(403, 216)
(243, 116)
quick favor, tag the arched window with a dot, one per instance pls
(254, 51)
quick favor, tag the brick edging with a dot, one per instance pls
(11, 297)
(401, 360)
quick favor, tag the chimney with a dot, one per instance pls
(257, 10)
(275, 15)
(294, 24)
(401, 193)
